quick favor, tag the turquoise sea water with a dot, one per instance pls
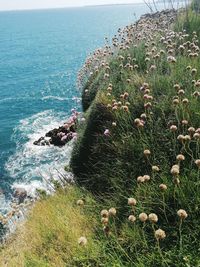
(40, 54)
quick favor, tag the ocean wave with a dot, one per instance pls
(56, 98)
(32, 166)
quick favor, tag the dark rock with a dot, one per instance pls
(58, 136)
(20, 194)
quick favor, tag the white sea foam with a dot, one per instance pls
(56, 98)
(32, 166)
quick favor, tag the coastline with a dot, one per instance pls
(21, 193)
(129, 199)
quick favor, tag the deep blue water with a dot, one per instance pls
(40, 55)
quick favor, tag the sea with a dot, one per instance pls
(41, 52)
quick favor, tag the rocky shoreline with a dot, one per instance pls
(22, 201)
(62, 135)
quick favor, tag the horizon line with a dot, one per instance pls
(68, 7)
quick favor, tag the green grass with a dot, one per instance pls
(49, 237)
(109, 165)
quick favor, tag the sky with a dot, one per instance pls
(40, 4)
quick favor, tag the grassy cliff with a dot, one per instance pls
(136, 161)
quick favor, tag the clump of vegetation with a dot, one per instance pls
(141, 142)
(55, 234)
(136, 161)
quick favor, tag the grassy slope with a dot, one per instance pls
(109, 166)
(50, 236)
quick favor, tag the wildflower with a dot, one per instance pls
(119, 103)
(185, 101)
(114, 124)
(197, 84)
(177, 86)
(137, 121)
(193, 71)
(107, 132)
(175, 101)
(155, 168)
(181, 138)
(175, 170)
(196, 94)
(125, 108)
(104, 220)
(110, 85)
(148, 105)
(153, 218)
(147, 91)
(145, 96)
(150, 97)
(104, 213)
(181, 47)
(112, 211)
(132, 218)
(171, 59)
(80, 202)
(147, 152)
(121, 57)
(191, 130)
(180, 157)
(181, 92)
(182, 214)
(140, 179)
(146, 178)
(106, 76)
(196, 136)
(126, 95)
(152, 67)
(132, 201)
(143, 217)
(145, 85)
(197, 162)
(143, 116)
(173, 128)
(187, 138)
(82, 241)
(163, 187)
(141, 124)
(160, 234)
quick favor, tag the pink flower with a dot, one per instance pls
(107, 132)
(64, 138)
(74, 136)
